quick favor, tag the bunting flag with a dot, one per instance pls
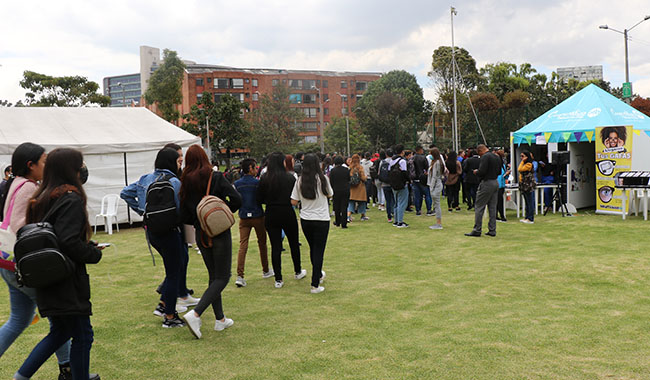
(566, 136)
(590, 135)
(529, 139)
(637, 132)
(547, 136)
(647, 133)
(512, 139)
(578, 135)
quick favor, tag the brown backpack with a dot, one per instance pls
(214, 215)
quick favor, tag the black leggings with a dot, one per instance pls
(340, 201)
(500, 206)
(276, 220)
(316, 234)
(218, 260)
(452, 195)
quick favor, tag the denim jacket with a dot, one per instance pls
(247, 187)
(135, 194)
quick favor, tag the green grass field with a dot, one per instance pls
(565, 298)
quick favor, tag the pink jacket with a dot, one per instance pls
(24, 194)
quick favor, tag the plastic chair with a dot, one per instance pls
(108, 212)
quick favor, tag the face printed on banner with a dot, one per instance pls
(605, 194)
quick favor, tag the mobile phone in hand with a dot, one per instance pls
(103, 245)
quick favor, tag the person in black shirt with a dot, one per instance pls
(274, 191)
(488, 189)
(471, 180)
(340, 181)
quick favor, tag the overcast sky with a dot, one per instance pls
(98, 39)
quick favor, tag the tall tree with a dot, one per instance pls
(67, 91)
(642, 104)
(272, 126)
(391, 108)
(165, 86)
(230, 129)
(336, 137)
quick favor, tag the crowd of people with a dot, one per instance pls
(397, 181)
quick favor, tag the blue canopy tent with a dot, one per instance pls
(575, 119)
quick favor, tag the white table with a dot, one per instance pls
(540, 195)
(516, 197)
(635, 201)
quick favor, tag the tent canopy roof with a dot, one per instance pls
(576, 118)
(91, 130)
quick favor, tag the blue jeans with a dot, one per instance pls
(390, 201)
(170, 246)
(62, 328)
(420, 190)
(548, 193)
(23, 305)
(529, 197)
(401, 201)
(362, 207)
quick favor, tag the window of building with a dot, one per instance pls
(344, 84)
(295, 98)
(325, 97)
(209, 80)
(274, 82)
(362, 86)
(317, 82)
(308, 84)
(284, 81)
(295, 83)
(247, 80)
(217, 97)
(351, 83)
(199, 97)
(239, 96)
(310, 127)
(359, 97)
(311, 139)
(310, 112)
(199, 81)
(255, 97)
(248, 95)
(344, 98)
(326, 111)
(254, 82)
(309, 98)
(238, 83)
(221, 82)
(324, 83)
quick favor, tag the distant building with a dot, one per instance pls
(248, 85)
(581, 73)
(124, 90)
(149, 62)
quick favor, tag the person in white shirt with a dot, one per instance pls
(312, 190)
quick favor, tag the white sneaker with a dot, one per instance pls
(268, 274)
(278, 284)
(322, 277)
(220, 326)
(301, 275)
(186, 302)
(317, 290)
(436, 227)
(526, 221)
(240, 282)
(160, 310)
(194, 323)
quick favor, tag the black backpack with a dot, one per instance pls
(39, 261)
(374, 169)
(383, 172)
(160, 214)
(395, 176)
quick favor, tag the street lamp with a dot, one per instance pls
(347, 122)
(625, 37)
(119, 84)
(207, 132)
(321, 126)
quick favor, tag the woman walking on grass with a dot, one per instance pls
(217, 251)
(275, 192)
(61, 198)
(312, 190)
(358, 193)
(452, 184)
(437, 170)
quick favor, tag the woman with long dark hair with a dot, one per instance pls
(28, 162)
(313, 189)
(527, 185)
(358, 194)
(340, 182)
(66, 304)
(452, 184)
(274, 191)
(216, 251)
(437, 170)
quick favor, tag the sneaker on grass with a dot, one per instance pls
(279, 284)
(317, 290)
(160, 309)
(194, 323)
(436, 227)
(322, 277)
(186, 302)
(173, 322)
(268, 274)
(301, 275)
(240, 282)
(402, 225)
(220, 326)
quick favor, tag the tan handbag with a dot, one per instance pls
(214, 215)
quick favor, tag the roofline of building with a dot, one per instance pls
(123, 75)
(202, 68)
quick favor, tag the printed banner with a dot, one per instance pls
(613, 155)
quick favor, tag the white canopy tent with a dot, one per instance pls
(119, 144)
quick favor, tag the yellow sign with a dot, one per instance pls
(613, 155)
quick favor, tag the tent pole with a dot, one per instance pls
(126, 183)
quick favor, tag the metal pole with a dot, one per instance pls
(453, 65)
(347, 131)
(207, 135)
(627, 66)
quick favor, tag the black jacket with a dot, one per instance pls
(340, 179)
(469, 165)
(421, 165)
(220, 187)
(72, 295)
(276, 197)
(490, 167)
